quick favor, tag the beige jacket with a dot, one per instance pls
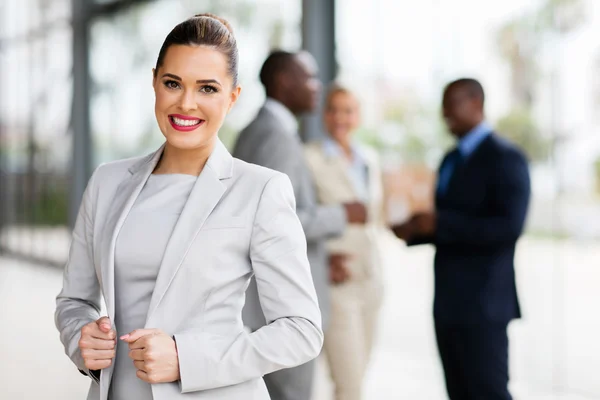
(334, 186)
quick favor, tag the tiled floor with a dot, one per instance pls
(405, 364)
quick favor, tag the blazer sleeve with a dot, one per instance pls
(78, 303)
(504, 224)
(319, 222)
(378, 189)
(293, 333)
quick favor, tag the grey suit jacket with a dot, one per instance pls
(239, 221)
(266, 142)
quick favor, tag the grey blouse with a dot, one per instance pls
(139, 251)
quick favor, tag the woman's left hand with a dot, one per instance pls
(154, 354)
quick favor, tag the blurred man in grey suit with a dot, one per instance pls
(272, 140)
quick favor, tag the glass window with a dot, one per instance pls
(35, 104)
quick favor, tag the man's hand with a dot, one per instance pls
(422, 224)
(154, 355)
(97, 344)
(338, 270)
(404, 231)
(356, 213)
(425, 224)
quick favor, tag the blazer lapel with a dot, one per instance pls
(125, 197)
(457, 177)
(340, 166)
(205, 195)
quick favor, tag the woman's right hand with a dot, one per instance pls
(97, 344)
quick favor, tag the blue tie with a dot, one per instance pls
(452, 161)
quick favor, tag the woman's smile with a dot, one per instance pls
(184, 123)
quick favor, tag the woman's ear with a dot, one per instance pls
(235, 94)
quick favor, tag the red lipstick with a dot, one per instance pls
(184, 123)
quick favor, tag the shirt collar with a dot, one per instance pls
(469, 143)
(333, 149)
(288, 119)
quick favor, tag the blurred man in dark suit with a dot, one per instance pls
(481, 201)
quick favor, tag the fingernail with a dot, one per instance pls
(124, 337)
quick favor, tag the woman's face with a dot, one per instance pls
(341, 116)
(194, 92)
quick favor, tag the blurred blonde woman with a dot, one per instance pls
(344, 171)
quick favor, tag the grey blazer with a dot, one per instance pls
(238, 222)
(266, 142)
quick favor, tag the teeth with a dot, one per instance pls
(185, 122)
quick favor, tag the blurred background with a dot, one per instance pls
(76, 92)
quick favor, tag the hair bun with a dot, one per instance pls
(213, 16)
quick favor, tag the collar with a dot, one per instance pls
(333, 149)
(288, 119)
(469, 143)
(220, 161)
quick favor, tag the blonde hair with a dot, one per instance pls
(338, 88)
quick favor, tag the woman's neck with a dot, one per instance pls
(183, 161)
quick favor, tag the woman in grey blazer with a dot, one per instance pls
(171, 241)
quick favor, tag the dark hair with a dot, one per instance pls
(204, 30)
(472, 86)
(277, 62)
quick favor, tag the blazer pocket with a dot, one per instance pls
(225, 223)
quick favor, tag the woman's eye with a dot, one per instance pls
(208, 89)
(172, 84)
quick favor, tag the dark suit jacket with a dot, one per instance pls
(480, 218)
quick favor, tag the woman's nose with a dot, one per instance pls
(188, 101)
